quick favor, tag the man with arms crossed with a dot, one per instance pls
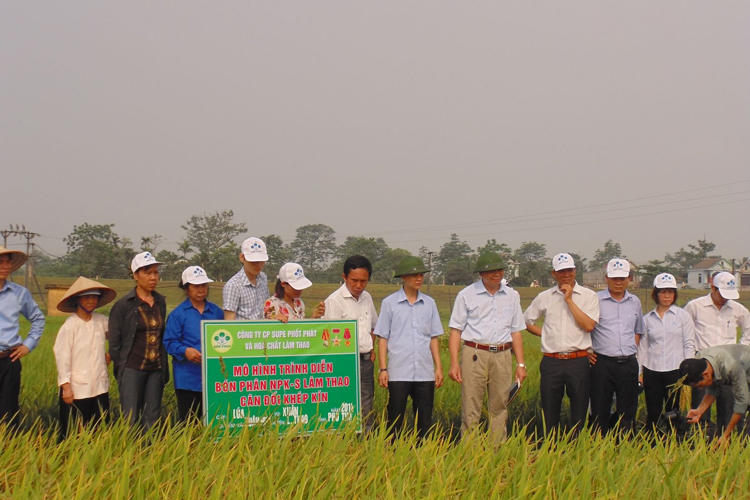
(570, 314)
(716, 317)
(351, 301)
(247, 291)
(487, 316)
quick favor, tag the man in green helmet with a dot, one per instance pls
(487, 317)
(408, 328)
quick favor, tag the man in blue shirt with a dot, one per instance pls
(487, 317)
(615, 342)
(408, 328)
(15, 300)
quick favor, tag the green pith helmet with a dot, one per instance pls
(489, 261)
(410, 265)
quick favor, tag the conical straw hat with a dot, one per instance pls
(68, 302)
(17, 258)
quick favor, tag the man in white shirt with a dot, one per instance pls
(570, 314)
(716, 317)
(351, 301)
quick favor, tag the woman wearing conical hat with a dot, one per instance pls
(80, 354)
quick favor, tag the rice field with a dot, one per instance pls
(176, 461)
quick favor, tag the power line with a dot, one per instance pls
(564, 210)
(587, 222)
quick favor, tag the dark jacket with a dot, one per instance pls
(123, 321)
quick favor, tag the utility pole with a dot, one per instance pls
(29, 271)
(429, 266)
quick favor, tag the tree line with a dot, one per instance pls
(97, 251)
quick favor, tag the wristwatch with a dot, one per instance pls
(383, 370)
(521, 365)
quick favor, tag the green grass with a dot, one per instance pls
(190, 462)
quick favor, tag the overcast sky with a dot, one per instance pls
(407, 120)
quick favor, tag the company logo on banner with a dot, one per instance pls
(221, 341)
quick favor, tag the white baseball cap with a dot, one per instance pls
(195, 275)
(143, 259)
(665, 280)
(727, 286)
(294, 275)
(618, 268)
(563, 261)
(254, 250)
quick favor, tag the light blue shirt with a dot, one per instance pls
(245, 299)
(14, 301)
(619, 322)
(409, 328)
(731, 364)
(487, 319)
(666, 341)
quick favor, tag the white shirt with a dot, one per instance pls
(560, 332)
(666, 341)
(718, 327)
(341, 304)
(487, 319)
(79, 354)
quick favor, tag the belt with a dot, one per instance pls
(365, 355)
(490, 348)
(567, 355)
(5, 354)
(617, 359)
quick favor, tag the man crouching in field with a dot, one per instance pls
(570, 314)
(15, 301)
(714, 368)
(487, 316)
(408, 330)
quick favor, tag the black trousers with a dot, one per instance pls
(560, 377)
(660, 397)
(189, 404)
(422, 401)
(611, 377)
(724, 405)
(10, 389)
(88, 410)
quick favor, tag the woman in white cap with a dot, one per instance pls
(285, 304)
(182, 340)
(668, 338)
(81, 356)
(136, 327)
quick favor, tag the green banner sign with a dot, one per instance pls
(268, 372)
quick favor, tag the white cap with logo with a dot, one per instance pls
(254, 250)
(665, 280)
(143, 259)
(294, 275)
(563, 261)
(618, 268)
(195, 275)
(727, 286)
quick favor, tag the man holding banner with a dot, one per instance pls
(351, 301)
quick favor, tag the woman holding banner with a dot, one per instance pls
(286, 304)
(182, 340)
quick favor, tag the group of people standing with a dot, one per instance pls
(595, 346)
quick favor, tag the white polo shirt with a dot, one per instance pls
(341, 304)
(718, 327)
(560, 332)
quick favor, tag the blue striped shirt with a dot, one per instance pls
(619, 322)
(15, 301)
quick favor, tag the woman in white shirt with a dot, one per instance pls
(668, 338)
(81, 356)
